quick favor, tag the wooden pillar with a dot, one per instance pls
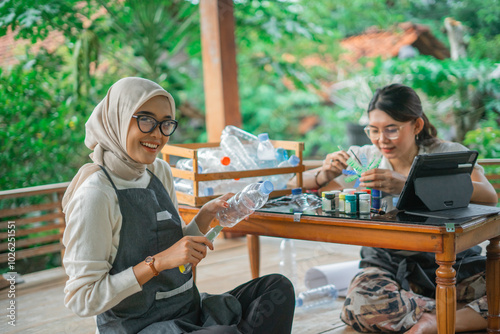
(222, 105)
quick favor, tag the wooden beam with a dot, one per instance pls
(222, 104)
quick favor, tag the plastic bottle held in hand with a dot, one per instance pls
(244, 203)
(266, 152)
(240, 158)
(288, 263)
(318, 296)
(280, 180)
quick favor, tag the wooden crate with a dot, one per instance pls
(190, 151)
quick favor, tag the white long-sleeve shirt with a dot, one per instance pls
(92, 236)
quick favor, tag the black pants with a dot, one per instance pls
(267, 304)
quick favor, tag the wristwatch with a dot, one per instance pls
(150, 261)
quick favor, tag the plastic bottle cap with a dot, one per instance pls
(225, 161)
(350, 197)
(209, 191)
(296, 191)
(294, 160)
(376, 193)
(266, 187)
(263, 136)
(364, 196)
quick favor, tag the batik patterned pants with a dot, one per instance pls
(375, 302)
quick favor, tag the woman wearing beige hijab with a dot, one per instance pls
(125, 239)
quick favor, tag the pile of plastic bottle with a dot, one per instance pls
(239, 151)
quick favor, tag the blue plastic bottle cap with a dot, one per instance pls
(299, 302)
(296, 191)
(209, 191)
(266, 187)
(376, 193)
(294, 160)
(263, 136)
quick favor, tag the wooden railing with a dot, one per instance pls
(39, 227)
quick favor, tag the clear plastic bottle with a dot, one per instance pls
(299, 200)
(186, 186)
(240, 158)
(318, 296)
(281, 155)
(244, 203)
(231, 130)
(266, 152)
(279, 181)
(187, 164)
(288, 263)
(241, 205)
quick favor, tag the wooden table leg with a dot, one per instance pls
(493, 285)
(446, 293)
(253, 244)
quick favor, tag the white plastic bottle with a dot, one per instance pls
(279, 181)
(233, 148)
(288, 262)
(266, 152)
(318, 296)
(244, 203)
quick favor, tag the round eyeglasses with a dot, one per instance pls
(390, 133)
(148, 124)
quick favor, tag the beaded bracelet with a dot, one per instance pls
(316, 180)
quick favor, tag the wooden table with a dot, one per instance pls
(390, 231)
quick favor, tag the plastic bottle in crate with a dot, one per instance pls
(266, 152)
(233, 148)
(279, 181)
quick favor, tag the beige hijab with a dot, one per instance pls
(107, 128)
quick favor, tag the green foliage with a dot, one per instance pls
(484, 140)
(40, 133)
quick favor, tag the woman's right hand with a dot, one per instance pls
(189, 249)
(332, 166)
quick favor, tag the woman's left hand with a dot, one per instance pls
(385, 180)
(209, 210)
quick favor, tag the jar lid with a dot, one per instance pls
(330, 195)
(350, 197)
(364, 196)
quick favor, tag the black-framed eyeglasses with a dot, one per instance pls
(391, 132)
(148, 124)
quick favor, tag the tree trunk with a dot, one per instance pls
(456, 32)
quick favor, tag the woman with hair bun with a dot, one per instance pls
(394, 291)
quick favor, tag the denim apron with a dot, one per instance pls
(169, 302)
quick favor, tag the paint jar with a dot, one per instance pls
(342, 202)
(336, 193)
(376, 198)
(324, 202)
(364, 204)
(330, 199)
(349, 190)
(350, 204)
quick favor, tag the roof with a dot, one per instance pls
(11, 48)
(388, 43)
